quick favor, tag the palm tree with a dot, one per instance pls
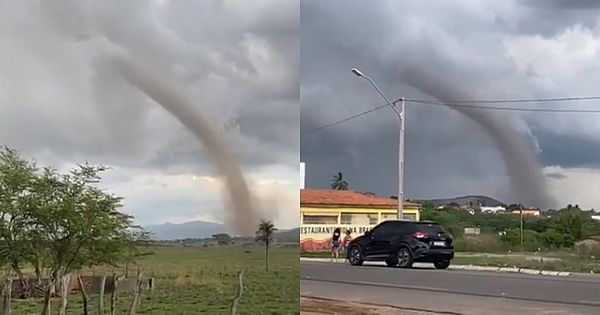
(265, 234)
(338, 182)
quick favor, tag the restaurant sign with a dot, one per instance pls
(328, 229)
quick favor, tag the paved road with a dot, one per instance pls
(462, 292)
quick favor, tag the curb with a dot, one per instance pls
(467, 268)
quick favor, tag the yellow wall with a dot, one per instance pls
(318, 235)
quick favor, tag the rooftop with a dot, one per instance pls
(331, 197)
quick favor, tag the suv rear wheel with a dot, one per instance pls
(355, 256)
(404, 258)
(441, 264)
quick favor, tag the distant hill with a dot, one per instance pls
(287, 236)
(485, 200)
(192, 229)
(202, 229)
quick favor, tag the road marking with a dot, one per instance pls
(590, 302)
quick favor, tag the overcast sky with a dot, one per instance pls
(485, 49)
(239, 60)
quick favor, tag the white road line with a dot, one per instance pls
(590, 302)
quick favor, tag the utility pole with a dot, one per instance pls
(400, 113)
(401, 163)
(521, 218)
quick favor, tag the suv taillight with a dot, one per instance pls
(419, 235)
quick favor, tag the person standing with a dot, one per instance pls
(335, 243)
(346, 241)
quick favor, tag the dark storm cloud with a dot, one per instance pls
(549, 17)
(240, 62)
(569, 150)
(462, 45)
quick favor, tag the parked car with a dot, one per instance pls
(401, 243)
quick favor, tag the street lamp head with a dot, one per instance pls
(357, 72)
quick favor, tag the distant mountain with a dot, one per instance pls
(202, 229)
(192, 229)
(287, 236)
(484, 200)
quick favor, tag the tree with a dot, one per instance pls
(265, 235)
(16, 189)
(338, 182)
(79, 224)
(59, 223)
(223, 239)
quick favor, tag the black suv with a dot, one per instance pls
(400, 243)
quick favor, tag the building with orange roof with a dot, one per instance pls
(322, 210)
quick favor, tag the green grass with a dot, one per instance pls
(550, 261)
(204, 281)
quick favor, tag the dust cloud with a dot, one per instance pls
(242, 217)
(527, 182)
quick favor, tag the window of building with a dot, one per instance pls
(359, 218)
(320, 219)
(411, 217)
(388, 216)
(373, 219)
(346, 218)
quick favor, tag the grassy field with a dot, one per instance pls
(204, 281)
(557, 261)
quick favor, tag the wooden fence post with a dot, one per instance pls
(47, 296)
(136, 297)
(101, 296)
(84, 296)
(6, 296)
(114, 296)
(238, 296)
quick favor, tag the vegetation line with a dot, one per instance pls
(238, 296)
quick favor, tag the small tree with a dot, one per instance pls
(265, 234)
(338, 182)
(223, 239)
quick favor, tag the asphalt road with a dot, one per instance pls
(461, 292)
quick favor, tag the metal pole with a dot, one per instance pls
(401, 163)
(400, 114)
(521, 216)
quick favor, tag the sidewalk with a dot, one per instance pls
(466, 267)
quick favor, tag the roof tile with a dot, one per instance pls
(331, 197)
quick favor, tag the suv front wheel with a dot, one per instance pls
(441, 264)
(355, 256)
(405, 258)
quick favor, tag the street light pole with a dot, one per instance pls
(400, 114)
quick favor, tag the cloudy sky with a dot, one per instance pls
(238, 60)
(476, 50)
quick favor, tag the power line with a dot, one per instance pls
(469, 104)
(343, 120)
(488, 101)
(518, 109)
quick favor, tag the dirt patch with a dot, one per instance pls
(312, 306)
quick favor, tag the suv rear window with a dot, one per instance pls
(428, 228)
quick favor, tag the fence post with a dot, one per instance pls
(83, 295)
(101, 296)
(6, 296)
(113, 296)
(136, 297)
(236, 300)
